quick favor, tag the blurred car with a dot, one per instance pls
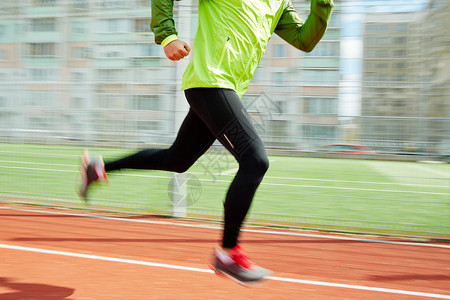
(346, 148)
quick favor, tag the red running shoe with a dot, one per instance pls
(92, 170)
(236, 265)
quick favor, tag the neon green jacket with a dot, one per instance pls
(232, 36)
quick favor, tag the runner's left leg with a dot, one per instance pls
(192, 141)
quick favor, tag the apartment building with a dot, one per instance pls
(405, 87)
(79, 71)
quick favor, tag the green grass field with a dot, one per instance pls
(341, 194)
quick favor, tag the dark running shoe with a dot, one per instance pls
(92, 170)
(238, 267)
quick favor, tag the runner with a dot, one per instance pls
(231, 38)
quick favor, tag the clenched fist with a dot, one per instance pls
(177, 50)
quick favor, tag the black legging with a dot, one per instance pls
(214, 113)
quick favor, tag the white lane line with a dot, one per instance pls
(273, 232)
(361, 287)
(177, 267)
(104, 258)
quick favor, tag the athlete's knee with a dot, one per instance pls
(178, 162)
(262, 163)
(179, 165)
(256, 162)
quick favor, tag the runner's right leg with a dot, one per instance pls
(222, 111)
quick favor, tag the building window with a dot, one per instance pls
(335, 21)
(399, 53)
(319, 133)
(77, 102)
(371, 28)
(113, 25)
(42, 49)
(43, 25)
(111, 101)
(111, 51)
(39, 123)
(146, 102)
(401, 27)
(81, 52)
(146, 50)
(325, 49)
(42, 99)
(320, 77)
(78, 76)
(377, 28)
(148, 76)
(320, 106)
(369, 53)
(311, 106)
(112, 75)
(279, 78)
(370, 41)
(142, 25)
(44, 2)
(381, 66)
(400, 66)
(79, 27)
(3, 54)
(382, 53)
(5, 120)
(148, 125)
(114, 3)
(383, 41)
(382, 28)
(400, 40)
(2, 30)
(81, 4)
(44, 74)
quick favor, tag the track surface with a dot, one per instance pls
(59, 254)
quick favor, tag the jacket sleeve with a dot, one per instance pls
(304, 35)
(162, 23)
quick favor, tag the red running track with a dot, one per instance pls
(58, 254)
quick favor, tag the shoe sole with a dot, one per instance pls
(252, 283)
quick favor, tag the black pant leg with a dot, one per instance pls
(193, 139)
(222, 111)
